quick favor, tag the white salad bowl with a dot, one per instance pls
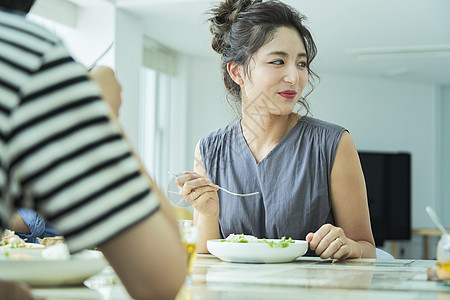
(256, 252)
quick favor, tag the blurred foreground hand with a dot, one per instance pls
(14, 290)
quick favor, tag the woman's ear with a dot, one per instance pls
(235, 72)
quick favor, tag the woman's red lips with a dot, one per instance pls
(288, 94)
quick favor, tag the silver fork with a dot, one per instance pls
(223, 189)
(100, 56)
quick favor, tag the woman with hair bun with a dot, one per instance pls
(307, 171)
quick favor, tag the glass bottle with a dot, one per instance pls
(443, 257)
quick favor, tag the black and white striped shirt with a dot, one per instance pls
(59, 152)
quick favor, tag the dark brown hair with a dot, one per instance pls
(22, 6)
(241, 27)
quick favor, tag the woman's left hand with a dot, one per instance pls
(330, 242)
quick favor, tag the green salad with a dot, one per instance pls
(242, 238)
(281, 244)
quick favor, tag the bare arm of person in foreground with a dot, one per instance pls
(352, 236)
(149, 257)
(15, 290)
(110, 88)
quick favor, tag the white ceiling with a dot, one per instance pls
(339, 27)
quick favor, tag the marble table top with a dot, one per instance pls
(311, 278)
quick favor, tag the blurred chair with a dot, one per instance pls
(381, 254)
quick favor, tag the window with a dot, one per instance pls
(155, 116)
(157, 77)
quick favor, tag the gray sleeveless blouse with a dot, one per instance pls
(292, 180)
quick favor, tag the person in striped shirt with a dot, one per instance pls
(28, 224)
(63, 155)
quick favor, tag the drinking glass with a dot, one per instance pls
(173, 192)
(189, 237)
(443, 257)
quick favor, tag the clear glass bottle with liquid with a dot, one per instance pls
(443, 257)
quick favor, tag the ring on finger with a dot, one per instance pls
(195, 194)
(340, 241)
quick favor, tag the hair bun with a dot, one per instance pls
(223, 17)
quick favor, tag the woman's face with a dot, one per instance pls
(276, 76)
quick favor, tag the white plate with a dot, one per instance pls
(256, 252)
(38, 272)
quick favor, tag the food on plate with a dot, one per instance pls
(18, 256)
(11, 240)
(49, 241)
(242, 238)
(59, 251)
(15, 248)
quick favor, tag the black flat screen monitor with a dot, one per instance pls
(388, 182)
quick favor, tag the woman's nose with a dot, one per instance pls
(292, 75)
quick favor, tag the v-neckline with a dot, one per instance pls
(282, 141)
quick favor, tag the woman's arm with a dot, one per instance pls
(350, 209)
(349, 198)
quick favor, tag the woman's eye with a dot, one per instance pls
(277, 62)
(302, 64)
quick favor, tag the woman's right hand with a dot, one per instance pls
(198, 193)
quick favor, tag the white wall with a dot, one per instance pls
(178, 119)
(91, 35)
(128, 60)
(207, 108)
(94, 33)
(444, 138)
(387, 115)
